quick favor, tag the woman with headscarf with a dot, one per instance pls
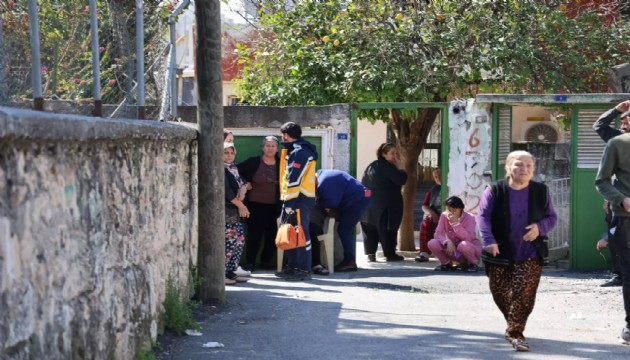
(235, 211)
(515, 215)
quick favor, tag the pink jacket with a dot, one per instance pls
(464, 230)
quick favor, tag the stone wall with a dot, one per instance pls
(95, 215)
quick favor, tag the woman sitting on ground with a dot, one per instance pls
(455, 239)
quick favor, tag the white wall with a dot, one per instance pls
(369, 137)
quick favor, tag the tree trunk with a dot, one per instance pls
(411, 131)
(211, 251)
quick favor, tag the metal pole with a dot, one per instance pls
(170, 88)
(211, 250)
(96, 66)
(171, 69)
(4, 91)
(36, 63)
(140, 56)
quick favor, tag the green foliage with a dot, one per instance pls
(178, 311)
(146, 354)
(323, 52)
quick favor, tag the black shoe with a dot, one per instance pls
(371, 258)
(421, 258)
(614, 281)
(298, 275)
(248, 267)
(446, 267)
(471, 268)
(395, 258)
(346, 266)
(284, 273)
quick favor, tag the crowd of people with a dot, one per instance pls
(508, 234)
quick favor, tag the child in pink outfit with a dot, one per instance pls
(455, 238)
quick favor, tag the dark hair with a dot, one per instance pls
(292, 129)
(384, 149)
(454, 202)
(226, 132)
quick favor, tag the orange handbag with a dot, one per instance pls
(291, 236)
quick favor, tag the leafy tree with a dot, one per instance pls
(323, 52)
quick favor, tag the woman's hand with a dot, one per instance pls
(435, 217)
(452, 217)
(492, 249)
(450, 247)
(243, 211)
(532, 232)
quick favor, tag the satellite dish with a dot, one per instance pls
(544, 133)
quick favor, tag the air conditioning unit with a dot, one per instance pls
(541, 131)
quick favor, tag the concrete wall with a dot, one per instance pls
(95, 215)
(334, 117)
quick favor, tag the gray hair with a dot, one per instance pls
(269, 138)
(515, 155)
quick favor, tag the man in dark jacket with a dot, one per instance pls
(297, 191)
(606, 132)
(338, 191)
(615, 164)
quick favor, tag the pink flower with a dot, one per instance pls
(101, 48)
(86, 10)
(170, 7)
(112, 82)
(44, 70)
(76, 80)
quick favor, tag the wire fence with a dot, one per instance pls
(65, 51)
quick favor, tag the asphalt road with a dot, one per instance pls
(404, 311)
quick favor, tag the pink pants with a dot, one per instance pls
(465, 252)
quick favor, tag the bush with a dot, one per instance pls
(178, 312)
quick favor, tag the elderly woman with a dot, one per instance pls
(235, 210)
(263, 201)
(515, 215)
(455, 238)
(384, 177)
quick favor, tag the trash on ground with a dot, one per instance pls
(212, 344)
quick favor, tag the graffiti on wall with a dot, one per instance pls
(470, 155)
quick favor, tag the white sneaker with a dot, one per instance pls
(241, 272)
(625, 336)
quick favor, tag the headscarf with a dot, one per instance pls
(231, 167)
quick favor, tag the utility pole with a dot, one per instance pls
(211, 249)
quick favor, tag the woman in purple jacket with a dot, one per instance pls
(515, 215)
(455, 239)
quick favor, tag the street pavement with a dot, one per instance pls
(404, 310)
